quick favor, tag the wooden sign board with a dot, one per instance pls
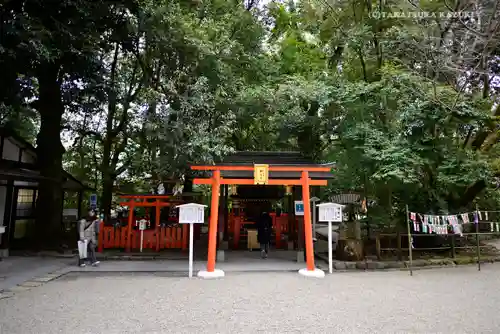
(142, 224)
(191, 213)
(261, 174)
(330, 212)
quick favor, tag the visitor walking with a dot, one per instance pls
(264, 229)
(88, 236)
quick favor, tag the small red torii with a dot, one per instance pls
(132, 203)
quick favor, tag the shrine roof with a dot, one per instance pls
(266, 157)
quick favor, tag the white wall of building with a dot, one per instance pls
(25, 184)
(28, 157)
(11, 152)
(3, 199)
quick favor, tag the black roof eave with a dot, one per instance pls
(5, 132)
(267, 157)
(27, 175)
(14, 176)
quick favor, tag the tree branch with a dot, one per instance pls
(112, 94)
(86, 133)
(128, 99)
(124, 166)
(119, 149)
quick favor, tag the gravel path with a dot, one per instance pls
(455, 300)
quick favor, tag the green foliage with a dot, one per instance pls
(404, 106)
(398, 140)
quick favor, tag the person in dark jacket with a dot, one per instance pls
(264, 229)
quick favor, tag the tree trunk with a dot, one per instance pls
(49, 156)
(108, 169)
(107, 195)
(470, 194)
(188, 182)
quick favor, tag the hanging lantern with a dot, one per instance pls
(233, 190)
(363, 206)
(288, 190)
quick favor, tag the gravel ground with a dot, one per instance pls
(455, 300)
(15, 270)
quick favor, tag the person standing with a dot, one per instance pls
(88, 234)
(264, 230)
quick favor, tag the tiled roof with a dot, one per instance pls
(263, 157)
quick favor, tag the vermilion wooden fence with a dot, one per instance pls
(280, 225)
(161, 238)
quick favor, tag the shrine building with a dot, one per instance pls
(244, 184)
(19, 179)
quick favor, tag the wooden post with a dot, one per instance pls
(298, 225)
(130, 222)
(100, 236)
(79, 204)
(191, 250)
(377, 246)
(157, 225)
(478, 249)
(226, 213)
(214, 215)
(291, 219)
(9, 214)
(307, 222)
(330, 248)
(398, 241)
(453, 252)
(300, 233)
(236, 232)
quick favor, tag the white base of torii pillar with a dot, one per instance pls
(316, 273)
(217, 273)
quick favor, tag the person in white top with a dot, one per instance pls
(88, 235)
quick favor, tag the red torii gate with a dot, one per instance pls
(160, 201)
(261, 176)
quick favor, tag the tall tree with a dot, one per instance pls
(55, 44)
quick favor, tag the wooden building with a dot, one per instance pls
(19, 177)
